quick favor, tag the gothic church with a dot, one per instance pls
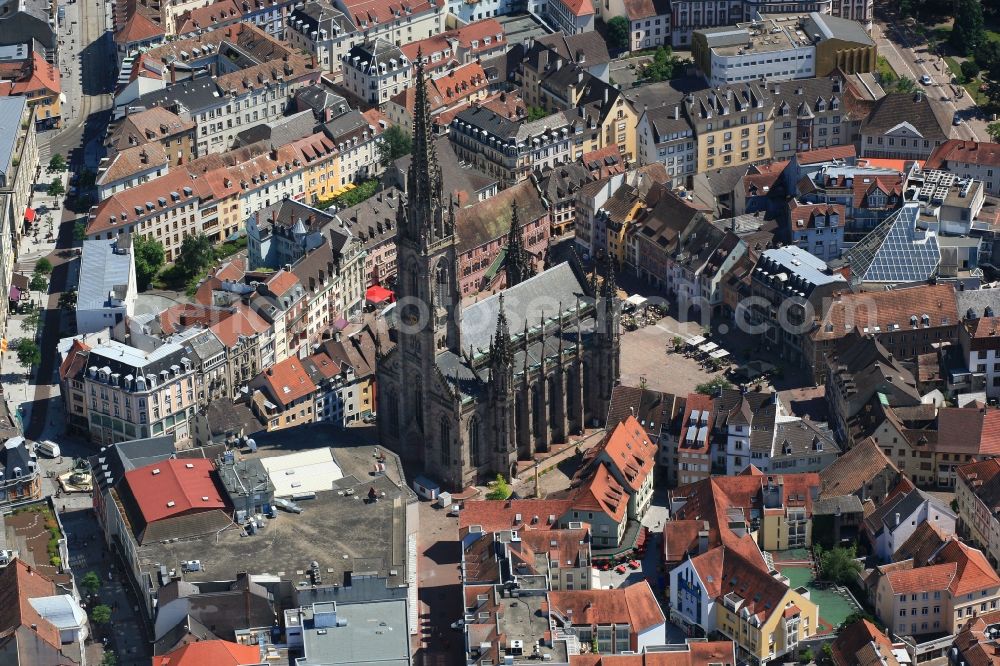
(470, 391)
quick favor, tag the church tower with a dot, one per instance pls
(607, 339)
(518, 261)
(501, 393)
(428, 297)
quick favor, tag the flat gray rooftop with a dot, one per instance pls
(11, 112)
(524, 619)
(344, 533)
(376, 633)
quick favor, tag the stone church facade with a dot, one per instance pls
(471, 391)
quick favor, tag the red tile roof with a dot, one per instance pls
(725, 571)
(629, 449)
(130, 206)
(964, 152)
(19, 583)
(974, 571)
(703, 404)
(174, 487)
(865, 185)
(853, 638)
(280, 282)
(634, 605)
(698, 653)
(826, 154)
(601, 492)
(288, 381)
(937, 577)
(680, 537)
(579, 7)
(711, 499)
(34, 77)
(75, 361)
(884, 308)
(365, 13)
(497, 515)
(849, 473)
(214, 653)
(803, 215)
(138, 28)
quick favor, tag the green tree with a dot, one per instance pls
(100, 614)
(86, 179)
(993, 129)
(56, 188)
(57, 163)
(90, 583)
(618, 34)
(43, 266)
(80, 231)
(33, 319)
(905, 85)
(395, 143)
(109, 659)
(499, 489)
(148, 254)
(662, 67)
(987, 56)
(38, 283)
(806, 655)
(828, 652)
(28, 353)
(713, 386)
(838, 565)
(196, 254)
(968, 31)
(970, 70)
(536, 113)
(857, 616)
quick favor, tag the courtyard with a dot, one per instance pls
(835, 604)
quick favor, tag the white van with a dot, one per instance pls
(48, 448)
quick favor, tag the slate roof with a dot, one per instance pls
(374, 53)
(912, 108)
(279, 132)
(590, 44)
(834, 27)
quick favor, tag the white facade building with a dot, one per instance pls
(107, 290)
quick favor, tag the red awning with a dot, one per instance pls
(377, 294)
(29, 214)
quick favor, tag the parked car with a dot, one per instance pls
(926, 79)
(455, 510)
(956, 120)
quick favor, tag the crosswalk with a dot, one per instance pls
(45, 148)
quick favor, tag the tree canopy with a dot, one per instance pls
(56, 188)
(57, 163)
(618, 34)
(499, 489)
(838, 565)
(394, 144)
(713, 385)
(969, 28)
(148, 254)
(196, 254)
(28, 353)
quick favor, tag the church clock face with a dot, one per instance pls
(411, 314)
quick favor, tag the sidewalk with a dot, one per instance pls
(38, 242)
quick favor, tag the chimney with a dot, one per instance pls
(897, 519)
(677, 112)
(605, 95)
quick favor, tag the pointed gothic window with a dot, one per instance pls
(474, 453)
(445, 441)
(414, 277)
(441, 286)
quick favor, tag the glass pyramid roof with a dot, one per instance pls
(898, 250)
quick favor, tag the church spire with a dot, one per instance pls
(518, 261)
(426, 219)
(501, 354)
